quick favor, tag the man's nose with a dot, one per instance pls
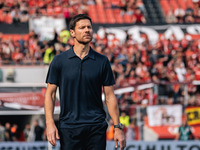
(87, 29)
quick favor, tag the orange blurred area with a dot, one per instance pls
(15, 37)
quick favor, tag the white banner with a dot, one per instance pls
(164, 115)
(152, 32)
(45, 26)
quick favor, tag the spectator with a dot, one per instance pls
(49, 54)
(138, 16)
(15, 132)
(197, 16)
(122, 57)
(197, 99)
(15, 15)
(38, 130)
(140, 5)
(8, 134)
(27, 132)
(180, 70)
(185, 132)
(17, 56)
(2, 133)
(130, 131)
(170, 17)
(64, 37)
(129, 10)
(21, 42)
(197, 72)
(179, 14)
(67, 13)
(124, 119)
(189, 15)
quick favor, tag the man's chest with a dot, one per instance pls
(84, 70)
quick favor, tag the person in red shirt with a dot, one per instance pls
(189, 77)
(17, 56)
(197, 72)
(138, 17)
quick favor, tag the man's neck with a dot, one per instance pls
(81, 50)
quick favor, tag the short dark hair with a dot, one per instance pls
(76, 18)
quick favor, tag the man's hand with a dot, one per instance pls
(52, 134)
(119, 137)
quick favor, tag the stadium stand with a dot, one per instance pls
(170, 66)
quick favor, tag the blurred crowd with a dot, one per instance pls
(36, 132)
(19, 11)
(181, 15)
(170, 64)
(11, 132)
(168, 61)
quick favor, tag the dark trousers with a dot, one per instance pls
(91, 137)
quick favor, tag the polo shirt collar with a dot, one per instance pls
(71, 53)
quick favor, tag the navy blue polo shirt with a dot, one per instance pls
(80, 87)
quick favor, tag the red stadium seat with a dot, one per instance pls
(94, 19)
(165, 6)
(101, 13)
(15, 37)
(93, 13)
(173, 4)
(116, 2)
(127, 18)
(107, 3)
(182, 4)
(190, 3)
(118, 16)
(8, 18)
(110, 16)
(1, 16)
(102, 18)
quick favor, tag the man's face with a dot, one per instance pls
(83, 31)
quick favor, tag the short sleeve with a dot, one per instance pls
(108, 78)
(53, 73)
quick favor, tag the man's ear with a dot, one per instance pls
(72, 33)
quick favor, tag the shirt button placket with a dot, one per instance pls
(80, 71)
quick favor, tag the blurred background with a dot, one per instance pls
(154, 51)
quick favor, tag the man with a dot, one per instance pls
(130, 132)
(38, 130)
(80, 74)
(8, 134)
(184, 132)
(2, 132)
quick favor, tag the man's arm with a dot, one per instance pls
(113, 110)
(178, 134)
(50, 97)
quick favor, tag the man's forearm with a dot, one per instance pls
(111, 103)
(49, 108)
(51, 129)
(113, 109)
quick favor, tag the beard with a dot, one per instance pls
(84, 42)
